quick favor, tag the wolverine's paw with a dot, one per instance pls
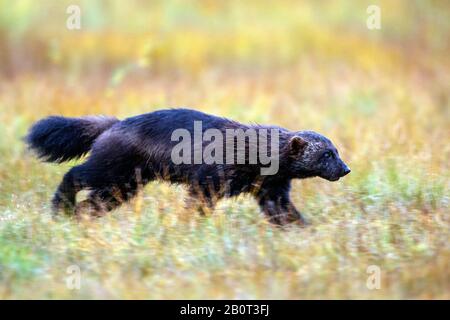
(285, 220)
(86, 210)
(302, 223)
(59, 205)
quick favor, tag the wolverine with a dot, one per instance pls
(126, 155)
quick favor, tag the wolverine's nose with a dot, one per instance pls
(346, 171)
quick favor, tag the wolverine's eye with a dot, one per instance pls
(327, 155)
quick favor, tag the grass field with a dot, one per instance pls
(382, 96)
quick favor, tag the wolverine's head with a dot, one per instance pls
(312, 155)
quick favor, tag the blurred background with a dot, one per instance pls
(381, 95)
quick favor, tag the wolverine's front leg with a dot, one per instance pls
(201, 202)
(294, 215)
(280, 210)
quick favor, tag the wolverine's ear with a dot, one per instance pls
(297, 145)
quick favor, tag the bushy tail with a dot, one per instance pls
(59, 139)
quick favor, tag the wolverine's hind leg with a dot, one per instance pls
(98, 203)
(101, 201)
(202, 202)
(113, 173)
(65, 196)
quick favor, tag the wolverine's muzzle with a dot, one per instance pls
(341, 171)
(345, 171)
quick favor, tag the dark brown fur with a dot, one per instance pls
(125, 155)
